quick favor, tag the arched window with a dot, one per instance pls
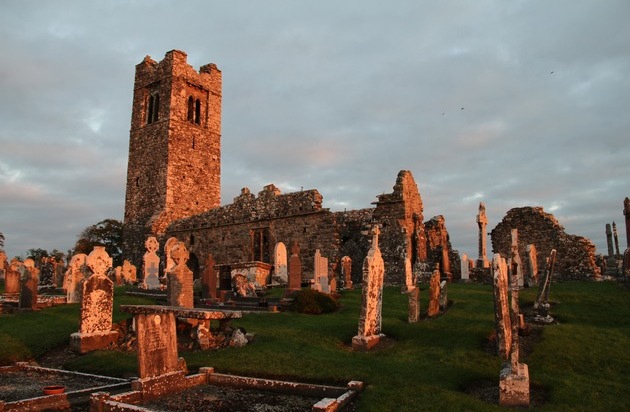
(197, 111)
(150, 110)
(190, 109)
(156, 107)
(153, 109)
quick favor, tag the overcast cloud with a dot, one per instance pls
(519, 103)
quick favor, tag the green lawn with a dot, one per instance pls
(581, 363)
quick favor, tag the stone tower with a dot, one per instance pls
(174, 168)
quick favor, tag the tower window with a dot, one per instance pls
(197, 111)
(154, 106)
(190, 109)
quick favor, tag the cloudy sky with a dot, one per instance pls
(513, 103)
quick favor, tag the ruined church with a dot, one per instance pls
(174, 190)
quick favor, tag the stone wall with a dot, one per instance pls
(576, 254)
(438, 240)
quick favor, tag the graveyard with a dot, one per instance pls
(446, 362)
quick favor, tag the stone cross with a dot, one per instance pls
(97, 302)
(370, 321)
(295, 268)
(503, 321)
(280, 263)
(482, 222)
(151, 264)
(180, 279)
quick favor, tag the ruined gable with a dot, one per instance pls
(439, 249)
(576, 254)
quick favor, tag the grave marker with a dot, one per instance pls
(346, 271)
(209, 279)
(280, 263)
(180, 278)
(295, 268)
(434, 294)
(75, 275)
(29, 279)
(151, 264)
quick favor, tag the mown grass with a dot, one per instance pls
(581, 363)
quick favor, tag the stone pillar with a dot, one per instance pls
(369, 333)
(609, 241)
(626, 213)
(616, 239)
(503, 322)
(515, 259)
(482, 222)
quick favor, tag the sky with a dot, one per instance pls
(511, 103)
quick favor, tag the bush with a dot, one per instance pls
(313, 302)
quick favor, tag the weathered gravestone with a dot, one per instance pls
(332, 285)
(370, 321)
(514, 376)
(532, 260)
(75, 275)
(346, 271)
(180, 279)
(169, 262)
(295, 268)
(414, 305)
(151, 264)
(541, 305)
(408, 284)
(515, 259)
(97, 302)
(12, 278)
(209, 279)
(3, 264)
(443, 295)
(280, 263)
(434, 294)
(320, 278)
(29, 279)
(128, 273)
(465, 268)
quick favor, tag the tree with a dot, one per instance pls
(106, 233)
(37, 255)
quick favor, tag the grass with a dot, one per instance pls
(581, 363)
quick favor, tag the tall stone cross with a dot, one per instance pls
(482, 221)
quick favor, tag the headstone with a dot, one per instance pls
(151, 264)
(515, 259)
(320, 277)
(370, 321)
(157, 344)
(532, 274)
(128, 273)
(180, 279)
(3, 264)
(209, 279)
(465, 267)
(29, 279)
(502, 318)
(332, 285)
(346, 271)
(46, 276)
(408, 285)
(97, 302)
(434, 294)
(414, 305)
(443, 295)
(541, 305)
(12, 277)
(482, 222)
(75, 275)
(295, 268)
(280, 263)
(169, 262)
(616, 239)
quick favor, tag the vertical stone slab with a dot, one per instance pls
(97, 304)
(434, 294)
(295, 268)
(29, 279)
(409, 283)
(616, 239)
(280, 263)
(157, 344)
(12, 278)
(515, 259)
(320, 276)
(369, 333)
(503, 322)
(75, 275)
(180, 279)
(3, 264)
(532, 260)
(151, 264)
(541, 305)
(209, 279)
(346, 271)
(465, 268)
(414, 305)
(482, 222)
(332, 285)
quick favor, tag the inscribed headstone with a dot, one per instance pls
(295, 268)
(346, 271)
(434, 294)
(280, 263)
(369, 333)
(209, 279)
(151, 264)
(180, 278)
(157, 344)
